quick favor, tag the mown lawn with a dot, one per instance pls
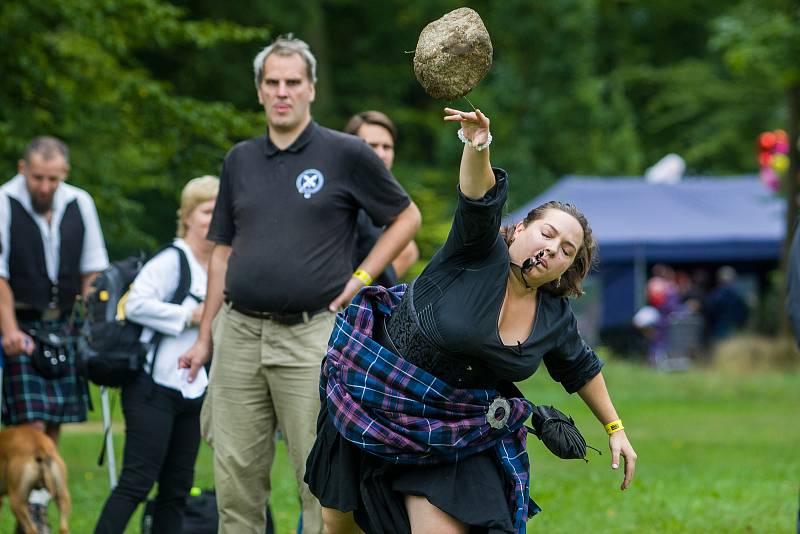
(717, 453)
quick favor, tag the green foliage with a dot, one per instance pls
(133, 141)
(698, 110)
(150, 93)
(762, 39)
(558, 112)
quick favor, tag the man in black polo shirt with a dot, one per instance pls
(284, 228)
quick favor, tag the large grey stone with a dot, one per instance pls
(453, 54)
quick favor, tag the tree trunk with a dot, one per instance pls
(316, 35)
(793, 101)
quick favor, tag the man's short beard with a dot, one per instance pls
(41, 207)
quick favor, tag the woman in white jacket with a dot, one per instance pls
(162, 409)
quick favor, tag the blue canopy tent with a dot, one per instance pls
(636, 223)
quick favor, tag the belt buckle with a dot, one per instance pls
(498, 413)
(291, 319)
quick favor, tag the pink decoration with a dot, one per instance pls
(770, 178)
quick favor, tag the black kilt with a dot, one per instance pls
(345, 478)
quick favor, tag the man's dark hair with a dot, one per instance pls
(48, 147)
(370, 117)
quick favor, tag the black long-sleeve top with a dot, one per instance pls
(458, 297)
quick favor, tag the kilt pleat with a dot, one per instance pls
(27, 396)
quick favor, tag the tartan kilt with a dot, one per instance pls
(27, 396)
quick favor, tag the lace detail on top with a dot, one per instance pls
(414, 346)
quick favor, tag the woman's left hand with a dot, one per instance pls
(619, 445)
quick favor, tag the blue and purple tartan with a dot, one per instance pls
(390, 408)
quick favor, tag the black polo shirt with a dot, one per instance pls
(290, 216)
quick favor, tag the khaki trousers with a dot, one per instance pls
(263, 374)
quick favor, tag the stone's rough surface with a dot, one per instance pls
(453, 54)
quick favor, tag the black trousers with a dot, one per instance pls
(162, 436)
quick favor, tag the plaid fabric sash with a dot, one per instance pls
(390, 408)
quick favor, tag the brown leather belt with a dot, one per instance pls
(286, 319)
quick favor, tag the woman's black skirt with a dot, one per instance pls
(345, 478)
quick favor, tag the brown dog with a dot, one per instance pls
(29, 460)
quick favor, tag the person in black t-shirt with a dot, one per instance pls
(284, 229)
(488, 309)
(380, 133)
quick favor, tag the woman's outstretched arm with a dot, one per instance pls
(476, 176)
(595, 394)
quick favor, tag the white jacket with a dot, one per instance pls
(148, 304)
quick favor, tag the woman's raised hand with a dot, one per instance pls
(474, 123)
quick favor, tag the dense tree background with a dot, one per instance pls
(150, 93)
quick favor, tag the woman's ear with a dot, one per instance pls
(518, 229)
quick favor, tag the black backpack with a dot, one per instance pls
(111, 353)
(200, 515)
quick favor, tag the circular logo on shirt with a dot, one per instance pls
(309, 182)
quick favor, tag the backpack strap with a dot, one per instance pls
(185, 280)
(181, 292)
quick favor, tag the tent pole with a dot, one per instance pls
(640, 276)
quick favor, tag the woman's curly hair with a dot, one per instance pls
(571, 280)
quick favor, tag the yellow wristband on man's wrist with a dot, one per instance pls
(364, 276)
(613, 426)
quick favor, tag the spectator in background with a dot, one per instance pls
(162, 415)
(663, 290)
(380, 133)
(695, 291)
(725, 308)
(52, 248)
(663, 297)
(646, 320)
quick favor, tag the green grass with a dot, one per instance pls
(717, 453)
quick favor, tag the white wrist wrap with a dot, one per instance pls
(468, 142)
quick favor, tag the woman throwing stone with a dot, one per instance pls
(421, 427)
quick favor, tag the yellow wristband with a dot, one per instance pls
(364, 276)
(613, 426)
